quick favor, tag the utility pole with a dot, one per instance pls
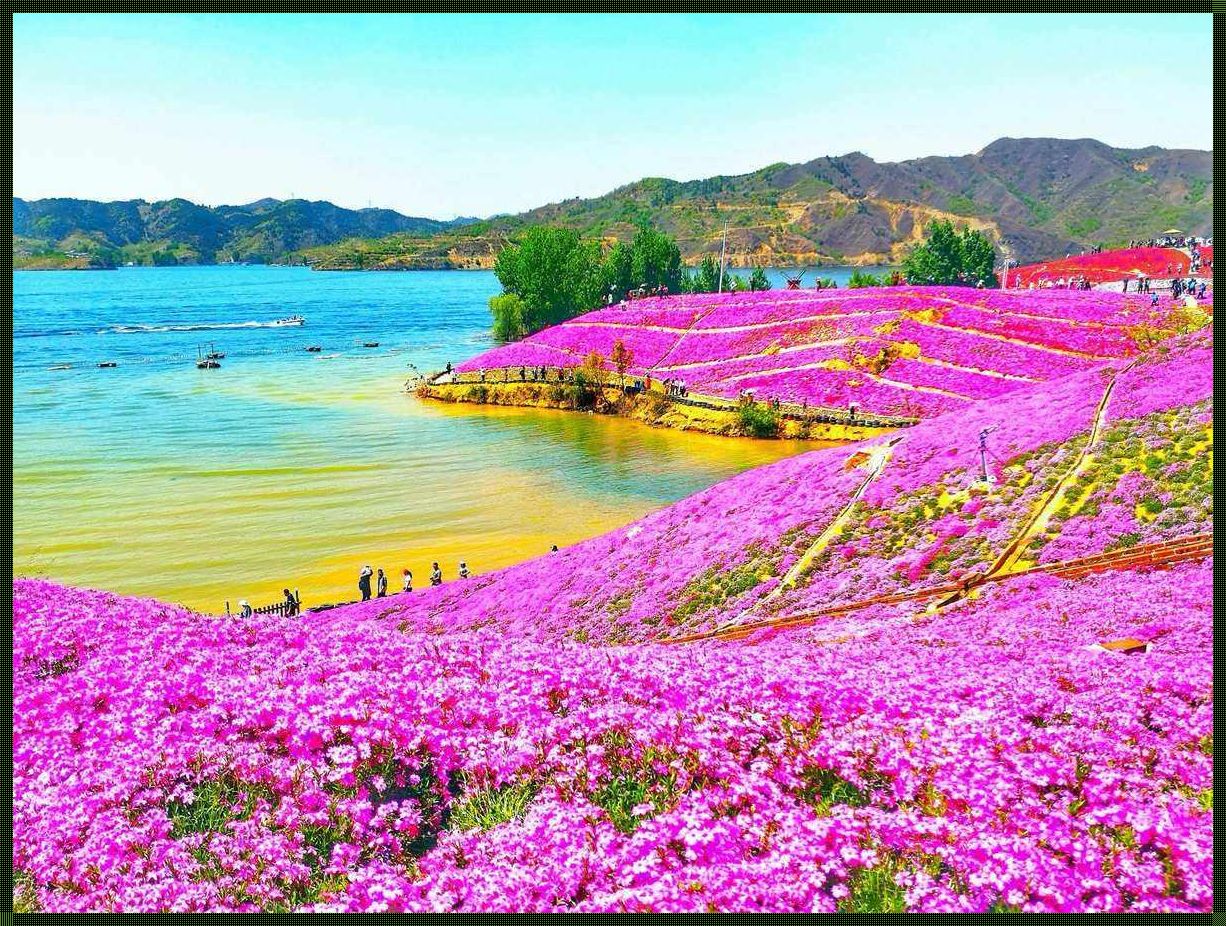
(723, 250)
(983, 453)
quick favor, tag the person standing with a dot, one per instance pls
(463, 570)
(382, 585)
(408, 581)
(244, 609)
(292, 604)
(364, 582)
(436, 575)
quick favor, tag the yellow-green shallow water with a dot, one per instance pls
(287, 469)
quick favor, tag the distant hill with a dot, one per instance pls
(78, 232)
(1037, 197)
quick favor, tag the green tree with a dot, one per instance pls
(617, 272)
(860, 280)
(655, 259)
(554, 272)
(651, 259)
(978, 259)
(705, 278)
(758, 281)
(949, 258)
(508, 312)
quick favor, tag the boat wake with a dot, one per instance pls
(291, 322)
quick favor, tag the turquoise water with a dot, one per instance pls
(292, 468)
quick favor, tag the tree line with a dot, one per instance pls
(553, 274)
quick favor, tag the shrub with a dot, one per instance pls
(757, 419)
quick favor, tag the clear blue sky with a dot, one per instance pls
(474, 115)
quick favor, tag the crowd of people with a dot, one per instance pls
(379, 577)
(1074, 282)
(675, 388)
(1171, 241)
(1189, 287)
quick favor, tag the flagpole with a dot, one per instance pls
(723, 250)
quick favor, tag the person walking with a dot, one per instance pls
(292, 604)
(364, 582)
(436, 575)
(382, 585)
(463, 570)
(408, 581)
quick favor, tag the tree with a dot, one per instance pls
(617, 272)
(554, 272)
(508, 312)
(622, 359)
(758, 281)
(705, 278)
(655, 259)
(860, 280)
(978, 259)
(593, 369)
(651, 259)
(949, 258)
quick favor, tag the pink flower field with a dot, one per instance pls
(543, 738)
(794, 345)
(1109, 266)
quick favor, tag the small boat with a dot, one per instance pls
(314, 349)
(291, 321)
(208, 363)
(107, 363)
(213, 354)
(370, 343)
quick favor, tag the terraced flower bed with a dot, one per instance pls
(787, 345)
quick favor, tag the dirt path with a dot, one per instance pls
(878, 458)
(1163, 553)
(1039, 518)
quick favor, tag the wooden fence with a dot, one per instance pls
(563, 375)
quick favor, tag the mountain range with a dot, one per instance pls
(79, 232)
(1036, 197)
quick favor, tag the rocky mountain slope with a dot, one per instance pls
(1037, 197)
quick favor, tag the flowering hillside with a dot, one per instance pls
(911, 351)
(1106, 266)
(487, 745)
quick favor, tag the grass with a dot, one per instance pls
(216, 802)
(25, 896)
(824, 788)
(874, 890)
(488, 807)
(716, 585)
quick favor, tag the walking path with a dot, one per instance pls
(1155, 555)
(878, 458)
(1039, 518)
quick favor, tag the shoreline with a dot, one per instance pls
(653, 409)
